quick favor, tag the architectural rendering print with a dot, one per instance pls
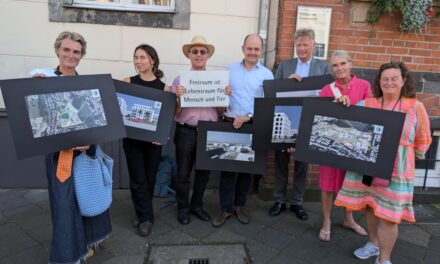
(229, 146)
(346, 138)
(285, 123)
(57, 113)
(139, 112)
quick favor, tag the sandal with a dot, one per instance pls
(356, 228)
(324, 235)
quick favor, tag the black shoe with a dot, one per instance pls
(145, 228)
(201, 214)
(277, 208)
(299, 211)
(183, 217)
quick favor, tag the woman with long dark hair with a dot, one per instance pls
(143, 158)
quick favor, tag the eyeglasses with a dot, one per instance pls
(197, 51)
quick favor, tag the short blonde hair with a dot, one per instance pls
(73, 36)
(341, 53)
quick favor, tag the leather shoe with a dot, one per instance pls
(299, 211)
(183, 217)
(220, 219)
(201, 214)
(277, 208)
(145, 228)
(242, 215)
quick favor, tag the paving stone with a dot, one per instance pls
(132, 259)
(312, 251)
(274, 238)
(38, 227)
(262, 217)
(125, 243)
(173, 237)
(37, 195)
(291, 226)
(224, 236)
(3, 219)
(247, 230)
(408, 250)
(433, 252)
(259, 252)
(100, 256)
(12, 238)
(432, 229)
(340, 258)
(284, 258)
(13, 200)
(414, 234)
(197, 228)
(159, 229)
(32, 255)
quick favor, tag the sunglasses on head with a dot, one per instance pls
(197, 51)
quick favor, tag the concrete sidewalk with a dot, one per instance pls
(25, 232)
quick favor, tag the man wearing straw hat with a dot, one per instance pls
(185, 139)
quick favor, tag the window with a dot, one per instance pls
(128, 5)
(139, 13)
(433, 170)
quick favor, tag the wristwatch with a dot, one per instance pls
(250, 115)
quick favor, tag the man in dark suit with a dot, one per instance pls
(302, 66)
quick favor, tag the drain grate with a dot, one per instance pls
(198, 261)
(234, 253)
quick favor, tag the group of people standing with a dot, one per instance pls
(74, 237)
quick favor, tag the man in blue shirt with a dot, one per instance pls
(246, 79)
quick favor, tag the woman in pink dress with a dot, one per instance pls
(346, 87)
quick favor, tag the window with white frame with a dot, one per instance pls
(128, 5)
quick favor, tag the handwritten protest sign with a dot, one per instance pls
(204, 88)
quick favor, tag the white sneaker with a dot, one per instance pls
(385, 262)
(367, 251)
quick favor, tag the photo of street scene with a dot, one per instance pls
(346, 138)
(285, 123)
(229, 146)
(57, 113)
(139, 112)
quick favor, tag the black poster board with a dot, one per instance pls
(276, 122)
(146, 112)
(307, 87)
(221, 147)
(50, 114)
(354, 138)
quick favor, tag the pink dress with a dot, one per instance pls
(330, 179)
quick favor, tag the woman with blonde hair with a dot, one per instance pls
(346, 87)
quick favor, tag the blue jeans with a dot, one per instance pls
(72, 234)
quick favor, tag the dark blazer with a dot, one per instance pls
(317, 67)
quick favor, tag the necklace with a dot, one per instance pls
(397, 102)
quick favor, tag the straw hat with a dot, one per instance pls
(198, 41)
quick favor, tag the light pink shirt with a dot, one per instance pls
(192, 115)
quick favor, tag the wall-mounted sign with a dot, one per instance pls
(318, 19)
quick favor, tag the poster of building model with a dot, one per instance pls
(318, 19)
(147, 112)
(51, 114)
(360, 139)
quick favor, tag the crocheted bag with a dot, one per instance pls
(93, 182)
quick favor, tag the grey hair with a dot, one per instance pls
(305, 32)
(341, 53)
(73, 36)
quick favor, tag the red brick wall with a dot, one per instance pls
(369, 47)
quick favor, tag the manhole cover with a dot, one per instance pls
(198, 254)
